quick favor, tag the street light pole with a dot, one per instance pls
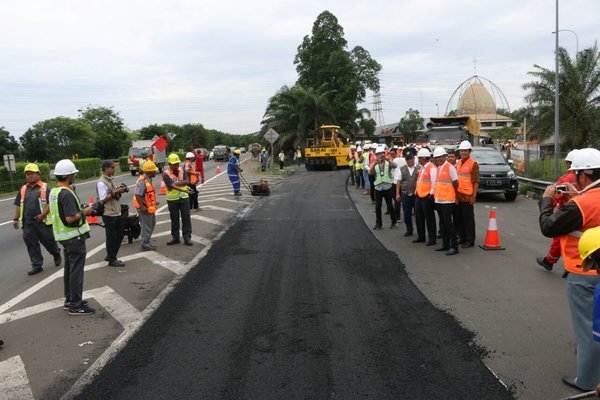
(556, 99)
(438, 109)
(576, 39)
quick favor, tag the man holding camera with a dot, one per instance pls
(109, 195)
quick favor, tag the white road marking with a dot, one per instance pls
(195, 238)
(6, 223)
(216, 208)
(237, 201)
(206, 219)
(14, 383)
(119, 308)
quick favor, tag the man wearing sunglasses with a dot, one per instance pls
(579, 214)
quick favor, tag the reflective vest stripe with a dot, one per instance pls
(424, 181)
(465, 183)
(43, 201)
(444, 190)
(189, 166)
(386, 177)
(61, 231)
(173, 194)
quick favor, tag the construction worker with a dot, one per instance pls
(144, 199)
(199, 156)
(351, 159)
(114, 228)
(366, 167)
(370, 176)
(263, 160)
(424, 204)
(589, 251)
(554, 252)
(233, 170)
(177, 194)
(32, 215)
(359, 161)
(384, 179)
(444, 193)
(190, 169)
(580, 213)
(406, 184)
(71, 230)
(468, 184)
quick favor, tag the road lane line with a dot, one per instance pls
(237, 201)
(14, 383)
(216, 208)
(119, 308)
(206, 219)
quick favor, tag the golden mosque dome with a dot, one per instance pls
(479, 98)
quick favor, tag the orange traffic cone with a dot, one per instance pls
(163, 187)
(218, 170)
(90, 219)
(492, 239)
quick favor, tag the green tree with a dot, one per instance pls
(58, 138)
(112, 140)
(579, 80)
(325, 65)
(8, 144)
(410, 124)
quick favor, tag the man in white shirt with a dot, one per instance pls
(109, 195)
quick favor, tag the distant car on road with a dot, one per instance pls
(220, 153)
(495, 173)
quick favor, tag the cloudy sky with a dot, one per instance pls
(218, 63)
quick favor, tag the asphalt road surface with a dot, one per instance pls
(298, 300)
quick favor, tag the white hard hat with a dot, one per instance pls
(189, 155)
(439, 151)
(64, 168)
(586, 159)
(571, 155)
(380, 149)
(424, 153)
(367, 146)
(359, 149)
(465, 145)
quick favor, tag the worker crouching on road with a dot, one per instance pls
(32, 214)
(190, 170)
(468, 184)
(444, 193)
(384, 179)
(109, 194)
(177, 194)
(144, 199)
(71, 230)
(580, 213)
(233, 171)
(424, 205)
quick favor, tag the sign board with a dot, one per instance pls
(9, 163)
(160, 143)
(271, 135)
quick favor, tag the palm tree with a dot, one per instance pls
(579, 80)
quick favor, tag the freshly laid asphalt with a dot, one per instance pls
(298, 300)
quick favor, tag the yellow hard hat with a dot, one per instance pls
(589, 243)
(174, 159)
(237, 151)
(149, 166)
(31, 167)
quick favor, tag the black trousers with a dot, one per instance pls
(445, 212)
(114, 230)
(360, 179)
(408, 206)
(176, 208)
(466, 222)
(352, 175)
(75, 253)
(379, 196)
(425, 216)
(397, 204)
(194, 197)
(33, 235)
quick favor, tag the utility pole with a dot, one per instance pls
(556, 99)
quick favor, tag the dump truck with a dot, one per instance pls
(143, 150)
(327, 152)
(448, 131)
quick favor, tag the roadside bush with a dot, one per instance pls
(18, 178)
(124, 164)
(525, 187)
(88, 167)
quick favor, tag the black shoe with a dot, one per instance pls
(376, 227)
(406, 234)
(460, 241)
(116, 263)
(430, 243)
(83, 310)
(148, 248)
(572, 382)
(419, 241)
(544, 263)
(57, 260)
(237, 194)
(67, 304)
(172, 242)
(443, 248)
(467, 245)
(438, 236)
(34, 271)
(188, 243)
(106, 258)
(452, 252)
(386, 213)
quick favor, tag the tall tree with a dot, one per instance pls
(579, 99)
(58, 138)
(410, 124)
(112, 139)
(8, 144)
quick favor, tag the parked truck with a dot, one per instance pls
(142, 150)
(449, 131)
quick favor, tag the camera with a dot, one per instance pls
(125, 188)
(97, 208)
(561, 188)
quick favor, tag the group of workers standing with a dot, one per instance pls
(446, 183)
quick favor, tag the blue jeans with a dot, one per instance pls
(366, 179)
(408, 208)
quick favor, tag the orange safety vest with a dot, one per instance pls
(190, 167)
(43, 201)
(444, 190)
(424, 181)
(465, 183)
(149, 197)
(588, 206)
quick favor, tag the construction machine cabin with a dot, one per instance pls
(328, 152)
